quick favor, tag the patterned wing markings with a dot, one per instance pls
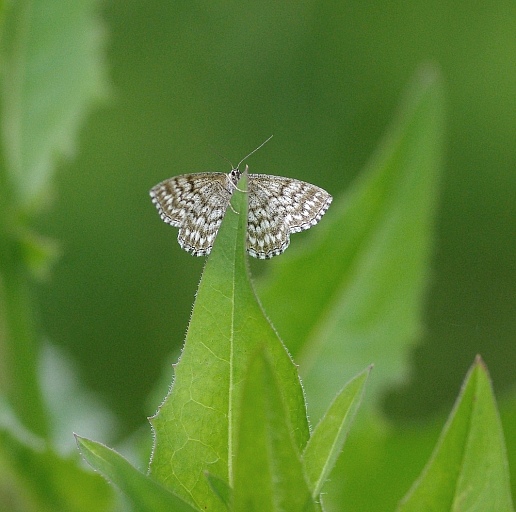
(196, 204)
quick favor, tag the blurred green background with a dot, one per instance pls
(324, 77)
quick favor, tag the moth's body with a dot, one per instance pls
(197, 203)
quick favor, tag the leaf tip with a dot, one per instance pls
(480, 362)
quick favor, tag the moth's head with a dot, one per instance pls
(235, 174)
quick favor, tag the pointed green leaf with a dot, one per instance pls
(195, 428)
(468, 470)
(268, 470)
(51, 73)
(366, 270)
(328, 438)
(145, 494)
(34, 478)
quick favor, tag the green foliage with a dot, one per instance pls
(145, 494)
(236, 409)
(51, 74)
(203, 409)
(327, 440)
(268, 472)
(233, 432)
(34, 478)
(468, 469)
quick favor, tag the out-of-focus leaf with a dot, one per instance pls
(268, 470)
(36, 479)
(468, 470)
(51, 72)
(367, 269)
(196, 427)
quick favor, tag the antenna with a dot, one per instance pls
(221, 155)
(254, 151)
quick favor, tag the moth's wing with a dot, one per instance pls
(196, 204)
(278, 207)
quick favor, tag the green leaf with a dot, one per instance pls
(392, 458)
(52, 72)
(33, 478)
(145, 494)
(366, 271)
(468, 470)
(195, 428)
(268, 470)
(328, 438)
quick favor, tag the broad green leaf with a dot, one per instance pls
(145, 494)
(328, 438)
(468, 470)
(33, 478)
(195, 428)
(268, 470)
(366, 272)
(51, 73)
